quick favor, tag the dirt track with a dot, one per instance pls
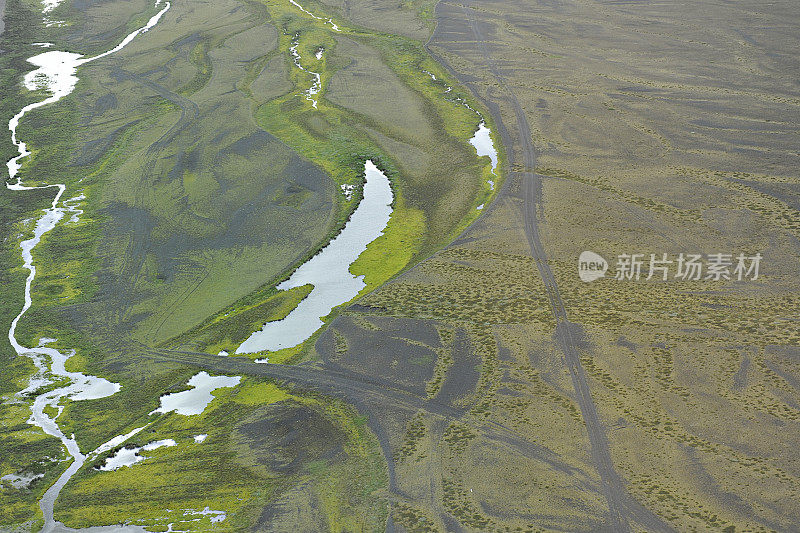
(621, 506)
(2, 16)
(362, 389)
(372, 394)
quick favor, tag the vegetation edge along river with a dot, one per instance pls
(405, 60)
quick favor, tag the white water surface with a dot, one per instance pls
(307, 12)
(71, 206)
(56, 74)
(214, 516)
(316, 87)
(19, 481)
(194, 401)
(116, 441)
(49, 5)
(482, 141)
(329, 270)
(130, 456)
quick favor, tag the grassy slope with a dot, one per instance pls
(243, 464)
(436, 177)
(118, 129)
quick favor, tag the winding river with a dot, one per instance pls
(57, 73)
(307, 12)
(328, 272)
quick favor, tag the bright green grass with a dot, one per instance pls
(234, 324)
(225, 466)
(331, 137)
(430, 206)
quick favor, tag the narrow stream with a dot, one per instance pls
(316, 87)
(482, 139)
(329, 270)
(56, 73)
(304, 10)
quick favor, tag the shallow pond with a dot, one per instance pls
(482, 141)
(329, 270)
(194, 401)
(130, 456)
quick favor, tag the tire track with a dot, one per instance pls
(137, 248)
(367, 391)
(532, 197)
(189, 110)
(621, 505)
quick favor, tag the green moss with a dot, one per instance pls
(227, 467)
(257, 393)
(76, 259)
(233, 325)
(391, 252)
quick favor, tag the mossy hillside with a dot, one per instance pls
(65, 295)
(227, 465)
(69, 278)
(66, 280)
(52, 125)
(328, 137)
(233, 325)
(332, 137)
(326, 133)
(175, 472)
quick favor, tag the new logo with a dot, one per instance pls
(591, 266)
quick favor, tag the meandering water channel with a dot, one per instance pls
(316, 87)
(328, 272)
(56, 73)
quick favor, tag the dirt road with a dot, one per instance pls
(622, 507)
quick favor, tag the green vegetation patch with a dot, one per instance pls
(261, 443)
(233, 325)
